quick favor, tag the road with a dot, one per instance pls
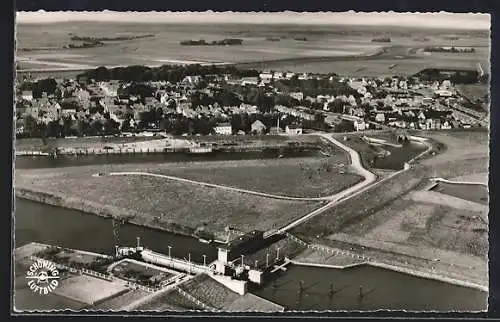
(369, 182)
(355, 163)
(370, 178)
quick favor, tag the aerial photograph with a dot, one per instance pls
(250, 162)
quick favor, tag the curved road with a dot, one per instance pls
(369, 181)
(355, 163)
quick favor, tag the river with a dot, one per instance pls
(32, 162)
(75, 229)
(383, 289)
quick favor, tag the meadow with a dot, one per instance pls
(159, 203)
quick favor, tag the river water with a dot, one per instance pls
(383, 289)
(30, 162)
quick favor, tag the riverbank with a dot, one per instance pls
(100, 210)
(141, 200)
(401, 269)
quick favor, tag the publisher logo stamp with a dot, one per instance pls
(42, 277)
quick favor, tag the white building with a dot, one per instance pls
(380, 117)
(223, 129)
(293, 130)
(27, 95)
(297, 95)
(360, 125)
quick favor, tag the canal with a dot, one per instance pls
(380, 289)
(35, 162)
(74, 229)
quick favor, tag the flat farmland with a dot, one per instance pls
(415, 223)
(321, 52)
(159, 203)
(461, 147)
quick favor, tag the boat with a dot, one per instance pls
(204, 241)
(200, 150)
(324, 153)
(280, 156)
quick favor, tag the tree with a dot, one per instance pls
(31, 126)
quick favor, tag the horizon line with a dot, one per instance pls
(438, 20)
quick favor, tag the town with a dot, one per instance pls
(201, 100)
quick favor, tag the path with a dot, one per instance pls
(369, 182)
(213, 185)
(355, 163)
(359, 187)
(459, 182)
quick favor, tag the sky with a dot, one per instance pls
(476, 21)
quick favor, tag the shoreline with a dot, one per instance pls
(107, 212)
(95, 209)
(400, 269)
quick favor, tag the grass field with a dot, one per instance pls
(297, 177)
(358, 207)
(476, 193)
(132, 271)
(161, 203)
(372, 156)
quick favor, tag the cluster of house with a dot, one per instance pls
(427, 106)
(399, 102)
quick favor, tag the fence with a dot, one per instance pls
(76, 270)
(326, 249)
(107, 277)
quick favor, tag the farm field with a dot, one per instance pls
(426, 225)
(460, 145)
(156, 202)
(323, 48)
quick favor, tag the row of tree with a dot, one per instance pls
(171, 73)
